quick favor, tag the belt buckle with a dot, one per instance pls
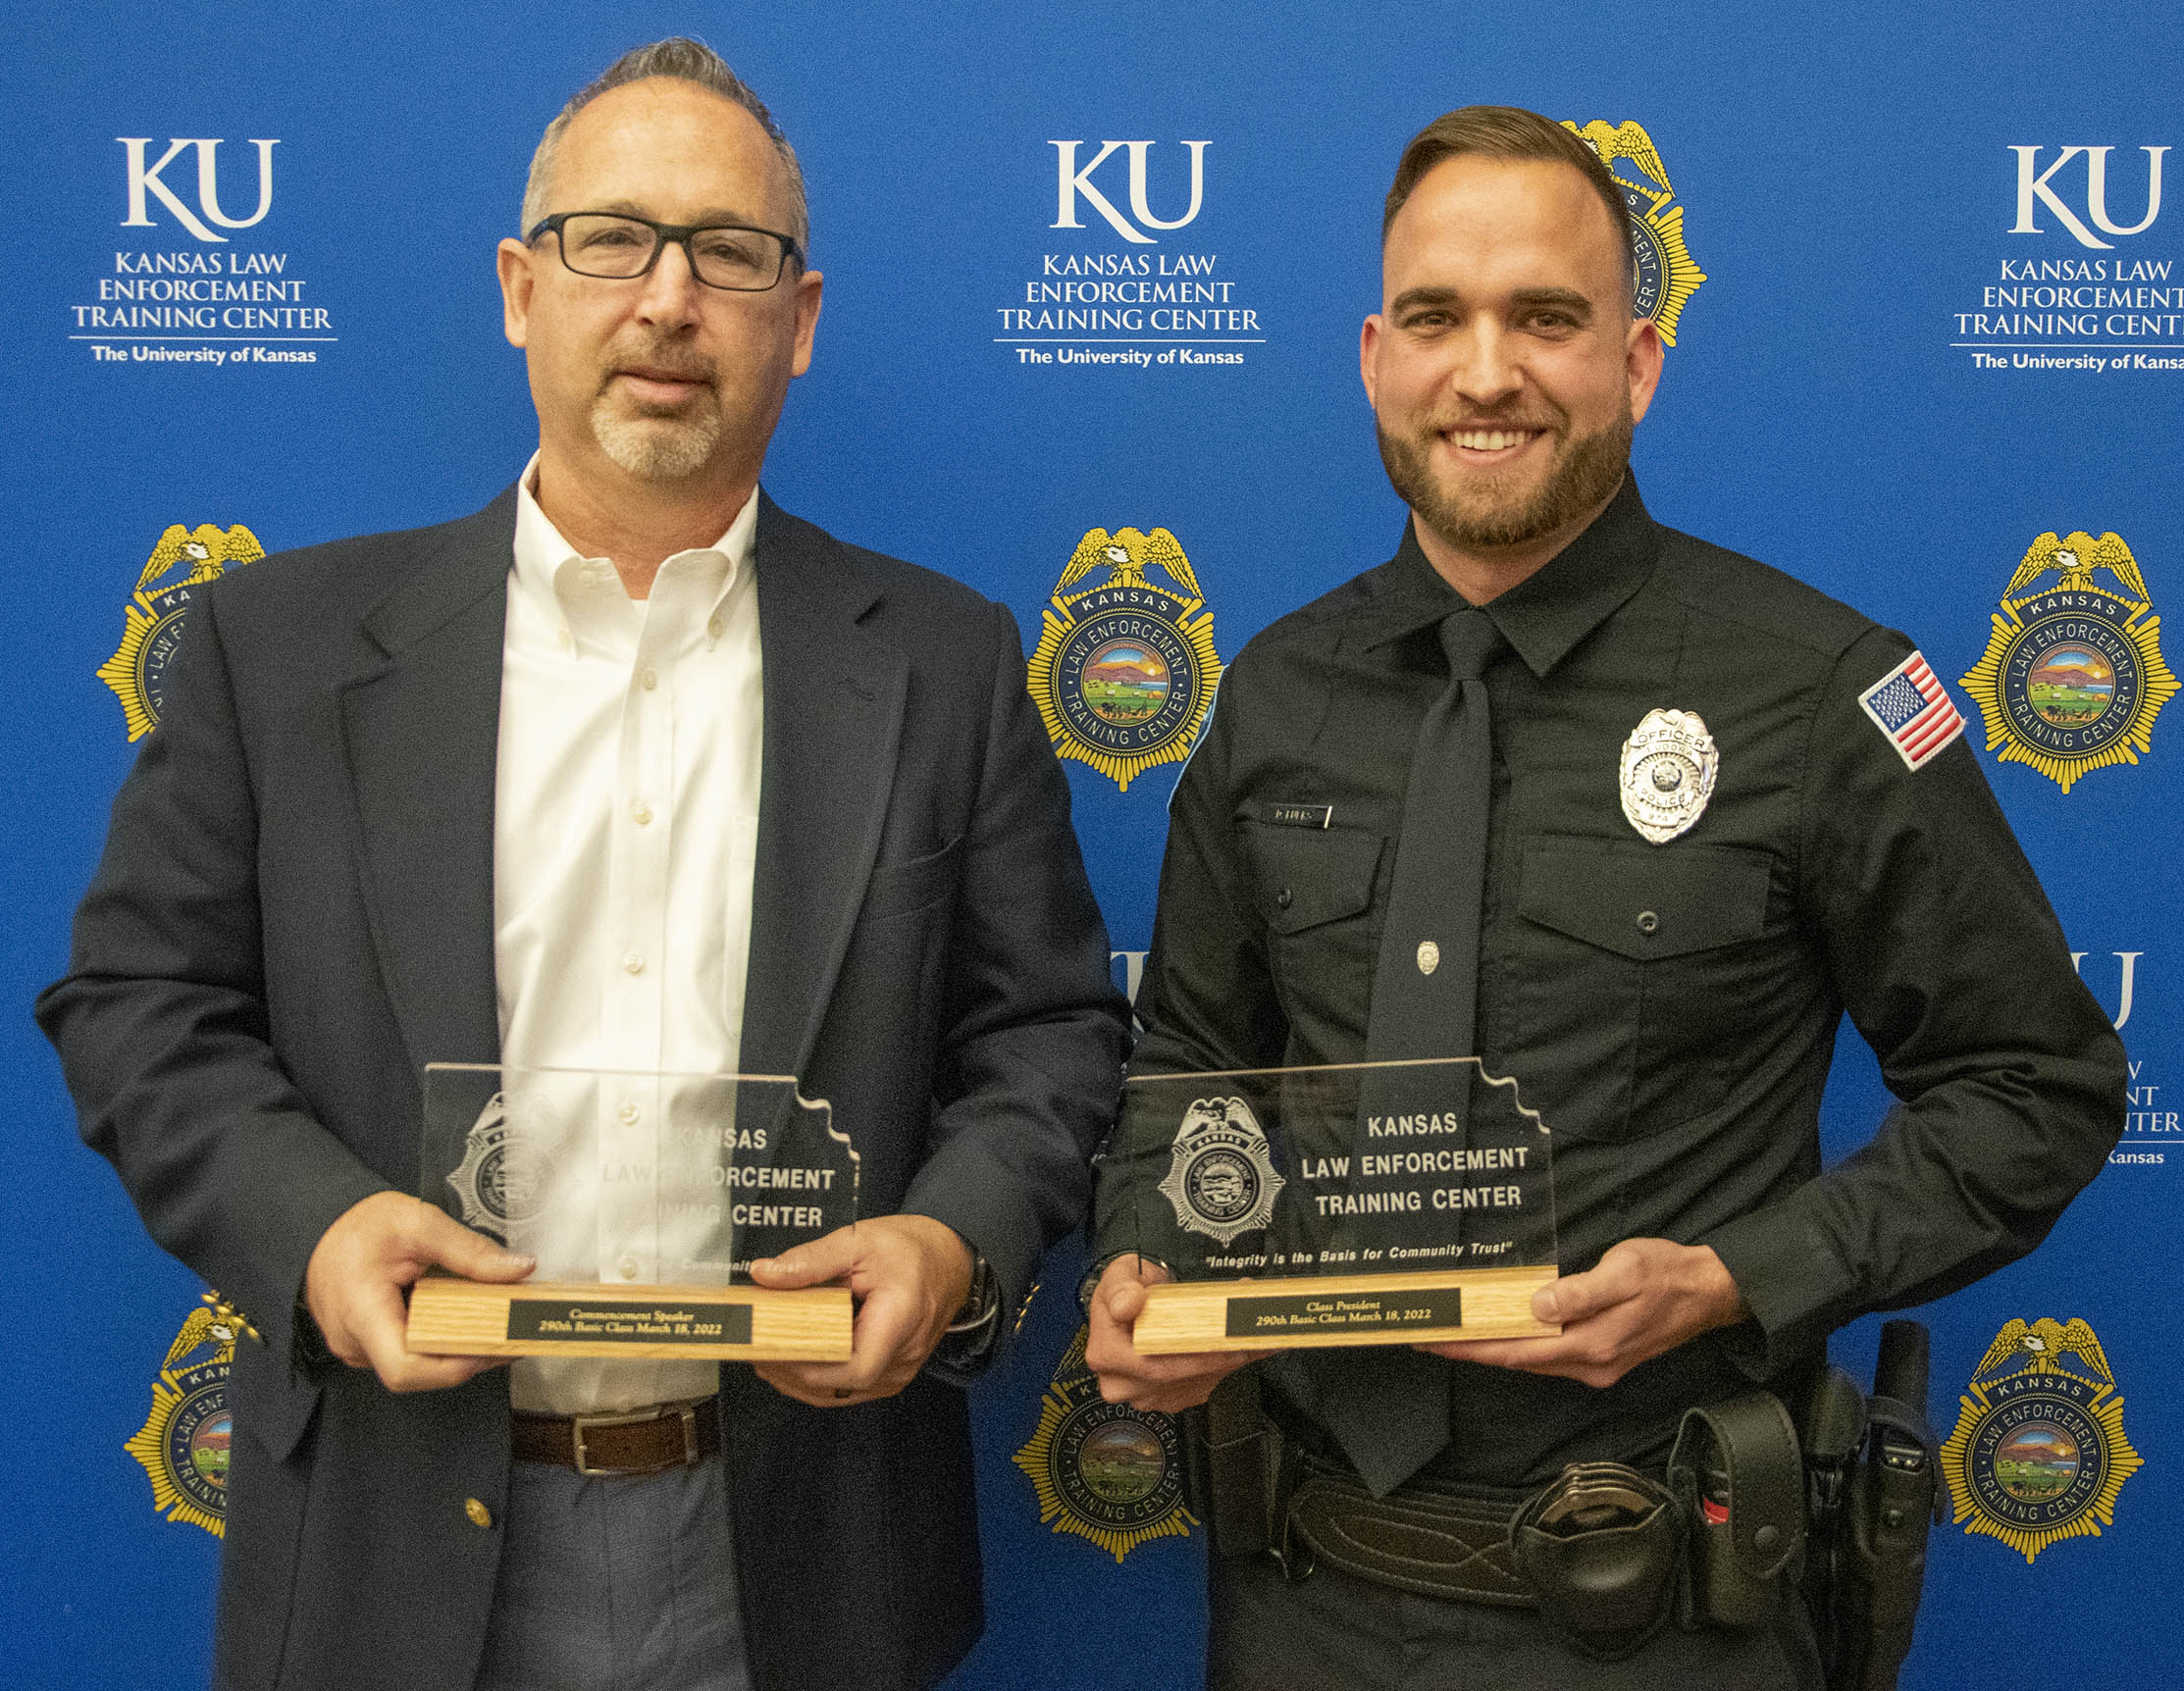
(579, 1425)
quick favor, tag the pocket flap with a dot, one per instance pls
(1305, 876)
(913, 883)
(272, 1399)
(1641, 900)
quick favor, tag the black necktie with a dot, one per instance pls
(1388, 1406)
(1425, 992)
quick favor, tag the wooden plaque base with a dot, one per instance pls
(450, 1318)
(1440, 1306)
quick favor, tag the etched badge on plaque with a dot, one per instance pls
(645, 1198)
(1360, 1204)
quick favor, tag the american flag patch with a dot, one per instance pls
(1912, 708)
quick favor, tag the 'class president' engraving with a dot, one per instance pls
(1358, 1311)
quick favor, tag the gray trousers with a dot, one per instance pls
(615, 1584)
(1334, 1632)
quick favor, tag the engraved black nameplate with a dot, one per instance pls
(624, 1321)
(1346, 1313)
(1299, 815)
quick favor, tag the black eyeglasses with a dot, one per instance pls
(622, 248)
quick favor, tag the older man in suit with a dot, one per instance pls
(629, 771)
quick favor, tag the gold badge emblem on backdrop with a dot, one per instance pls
(2073, 675)
(184, 1441)
(1125, 671)
(1667, 277)
(1103, 1471)
(154, 614)
(2039, 1453)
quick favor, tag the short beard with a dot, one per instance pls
(1593, 466)
(657, 448)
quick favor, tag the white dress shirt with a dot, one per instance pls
(625, 835)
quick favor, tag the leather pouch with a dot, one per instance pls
(1602, 1548)
(1736, 1472)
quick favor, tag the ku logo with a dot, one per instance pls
(2129, 964)
(2035, 185)
(147, 182)
(1077, 183)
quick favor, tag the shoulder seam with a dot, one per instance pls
(1698, 553)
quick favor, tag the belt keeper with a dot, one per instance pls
(1284, 1466)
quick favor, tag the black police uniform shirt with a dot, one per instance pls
(1670, 1009)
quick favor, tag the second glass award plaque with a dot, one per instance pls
(645, 1198)
(1361, 1203)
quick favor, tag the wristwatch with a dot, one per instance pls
(982, 1304)
(1090, 1284)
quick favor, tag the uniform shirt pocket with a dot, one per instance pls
(1312, 888)
(1644, 901)
(1635, 965)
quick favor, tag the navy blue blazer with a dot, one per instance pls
(295, 914)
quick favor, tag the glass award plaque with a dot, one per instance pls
(645, 1198)
(1359, 1203)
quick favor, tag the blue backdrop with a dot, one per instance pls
(1922, 341)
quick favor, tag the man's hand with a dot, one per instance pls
(910, 1275)
(1164, 1383)
(363, 1265)
(1645, 1296)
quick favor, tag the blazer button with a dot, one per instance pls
(1647, 922)
(1285, 899)
(480, 1515)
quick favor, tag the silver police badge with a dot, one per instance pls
(1220, 1177)
(497, 1180)
(1668, 773)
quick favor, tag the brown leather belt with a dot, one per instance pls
(643, 1441)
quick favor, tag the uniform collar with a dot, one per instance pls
(1546, 614)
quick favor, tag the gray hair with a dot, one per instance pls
(689, 61)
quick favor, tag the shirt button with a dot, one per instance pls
(712, 629)
(641, 813)
(479, 1514)
(629, 1267)
(1285, 899)
(562, 638)
(648, 679)
(633, 964)
(1647, 922)
(627, 1113)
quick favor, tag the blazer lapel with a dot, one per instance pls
(422, 735)
(834, 716)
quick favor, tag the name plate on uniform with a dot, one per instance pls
(645, 1198)
(1358, 1204)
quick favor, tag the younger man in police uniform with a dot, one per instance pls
(1660, 964)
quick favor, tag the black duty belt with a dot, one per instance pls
(1598, 1528)
(1434, 1542)
(1607, 1554)
(643, 1441)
